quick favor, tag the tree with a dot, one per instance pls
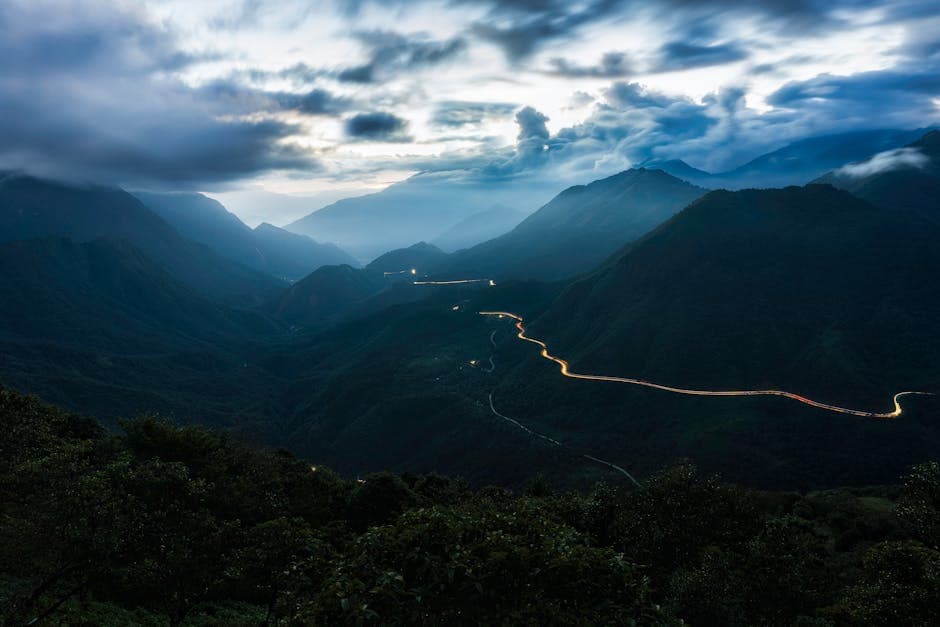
(919, 506)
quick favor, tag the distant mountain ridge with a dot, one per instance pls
(908, 178)
(266, 248)
(35, 208)
(765, 288)
(577, 229)
(419, 257)
(479, 227)
(417, 209)
(796, 163)
(107, 295)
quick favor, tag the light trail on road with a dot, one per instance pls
(456, 282)
(668, 388)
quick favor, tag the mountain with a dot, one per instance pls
(266, 248)
(417, 209)
(479, 227)
(806, 289)
(294, 256)
(419, 257)
(256, 205)
(102, 329)
(577, 229)
(797, 163)
(906, 178)
(31, 208)
(326, 292)
(107, 295)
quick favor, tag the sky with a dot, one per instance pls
(322, 98)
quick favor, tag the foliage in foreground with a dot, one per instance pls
(167, 525)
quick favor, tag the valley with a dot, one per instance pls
(470, 313)
(740, 360)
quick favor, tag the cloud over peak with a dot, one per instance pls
(886, 161)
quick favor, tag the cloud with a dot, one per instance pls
(678, 55)
(633, 124)
(314, 102)
(612, 65)
(377, 126)
(900, 97)
(391, 53)
(520, 27)
(457, 113)
(90, 94)
(243, 99)
(886, 161)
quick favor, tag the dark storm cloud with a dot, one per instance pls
(898, 96)
(391, 53)
(89, 95)
(377, 126)
(520, 27)
(612, 65)
(678, 55)
(244, 99)
(531, 151)
(315, 102)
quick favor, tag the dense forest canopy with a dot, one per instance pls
(160, 524)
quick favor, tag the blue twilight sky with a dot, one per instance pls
(330, 97)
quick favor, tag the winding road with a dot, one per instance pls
(668, 388)
(490, 282)
(555, 442)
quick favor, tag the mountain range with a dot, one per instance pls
(796, 163)
(111, 307)
(265, 248)
(421, 208)
(577, 229)
(31, 208)
(760, 288)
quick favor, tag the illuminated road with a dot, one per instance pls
(802, 399)
(409, 271)
(457, 282)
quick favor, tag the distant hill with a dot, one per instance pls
(417, 209)
(906, 178)
(808, 289)
(31, 208)
(577, 229)
(326, 292)
(479, 227)
(420, 257)
(108, 296)
(99, 327)
(797, 163)
(294, 256)
(267, 248)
